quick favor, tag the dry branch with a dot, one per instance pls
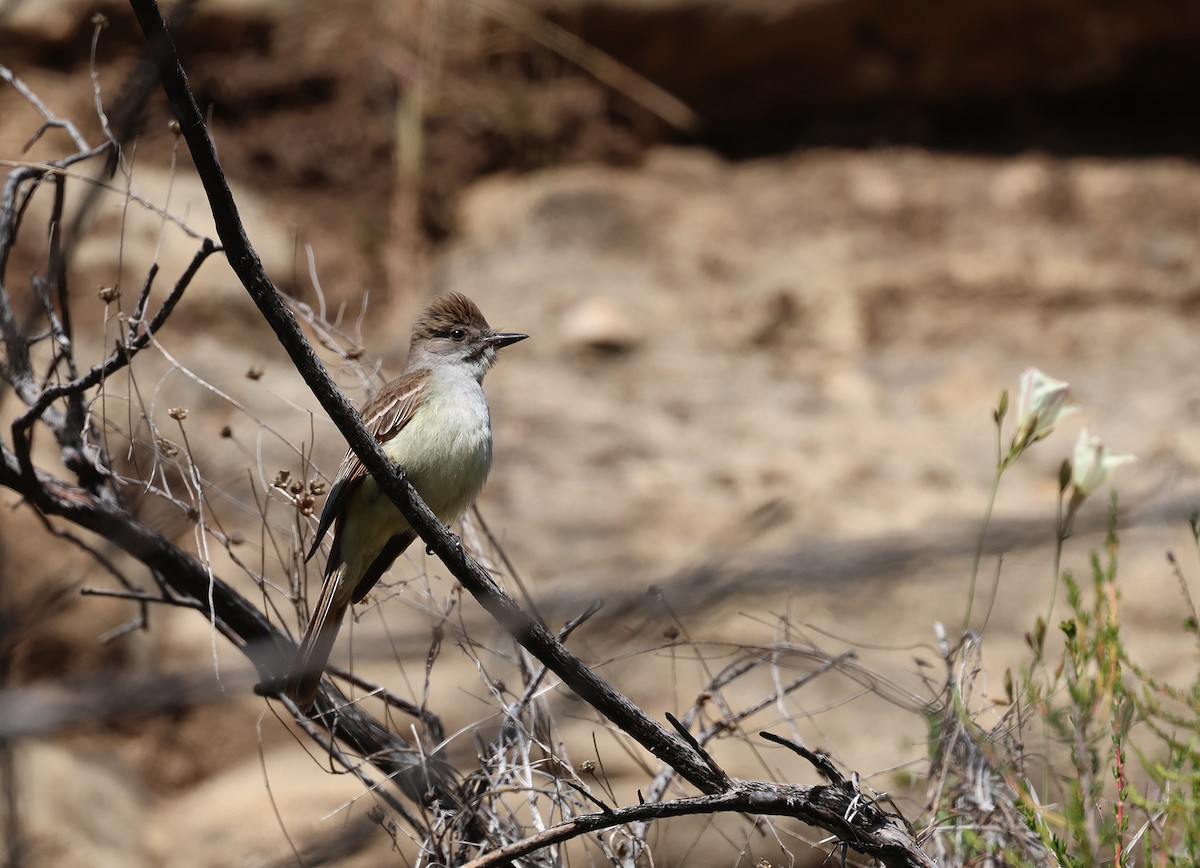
(842, 810)
(893, 849)
(96, 506)
(246, 264)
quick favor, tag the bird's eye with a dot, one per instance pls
(458, 334)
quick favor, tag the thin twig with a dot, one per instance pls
(821, 761)
(48, 117)
(123, 355)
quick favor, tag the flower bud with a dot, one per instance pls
(1041, 403)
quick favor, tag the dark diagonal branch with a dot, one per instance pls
(842, 810)
(246, 264)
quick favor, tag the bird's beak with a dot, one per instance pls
(503, 339)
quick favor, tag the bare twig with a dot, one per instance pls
(124, 354)
(49, 119)
(821, 761)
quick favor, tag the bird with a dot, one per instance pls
(433, 421)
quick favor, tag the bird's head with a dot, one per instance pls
(453, 330)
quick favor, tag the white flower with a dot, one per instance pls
(1093, 465)
(1041, 403)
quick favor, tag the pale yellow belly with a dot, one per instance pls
(446, 451)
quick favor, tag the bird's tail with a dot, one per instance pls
(317, 644)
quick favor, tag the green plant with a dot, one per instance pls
(1115, 775)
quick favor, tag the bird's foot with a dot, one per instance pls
(455, 540)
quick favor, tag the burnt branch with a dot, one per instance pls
(686, 758)
(847, 813)
(246, 264)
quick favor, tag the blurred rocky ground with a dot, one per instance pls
(769, 331)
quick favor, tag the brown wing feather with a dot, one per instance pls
(389, 410)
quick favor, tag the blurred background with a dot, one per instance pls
(778, 259)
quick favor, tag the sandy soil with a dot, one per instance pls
(763, 387)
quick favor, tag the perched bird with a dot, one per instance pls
(433, 421)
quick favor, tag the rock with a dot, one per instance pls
(599, 324)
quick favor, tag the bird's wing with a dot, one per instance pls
(389, 410)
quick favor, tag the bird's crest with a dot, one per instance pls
(451, 310)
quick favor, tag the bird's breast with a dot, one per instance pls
(446, 449)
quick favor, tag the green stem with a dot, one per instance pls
(983, 529)
(1062, 532)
